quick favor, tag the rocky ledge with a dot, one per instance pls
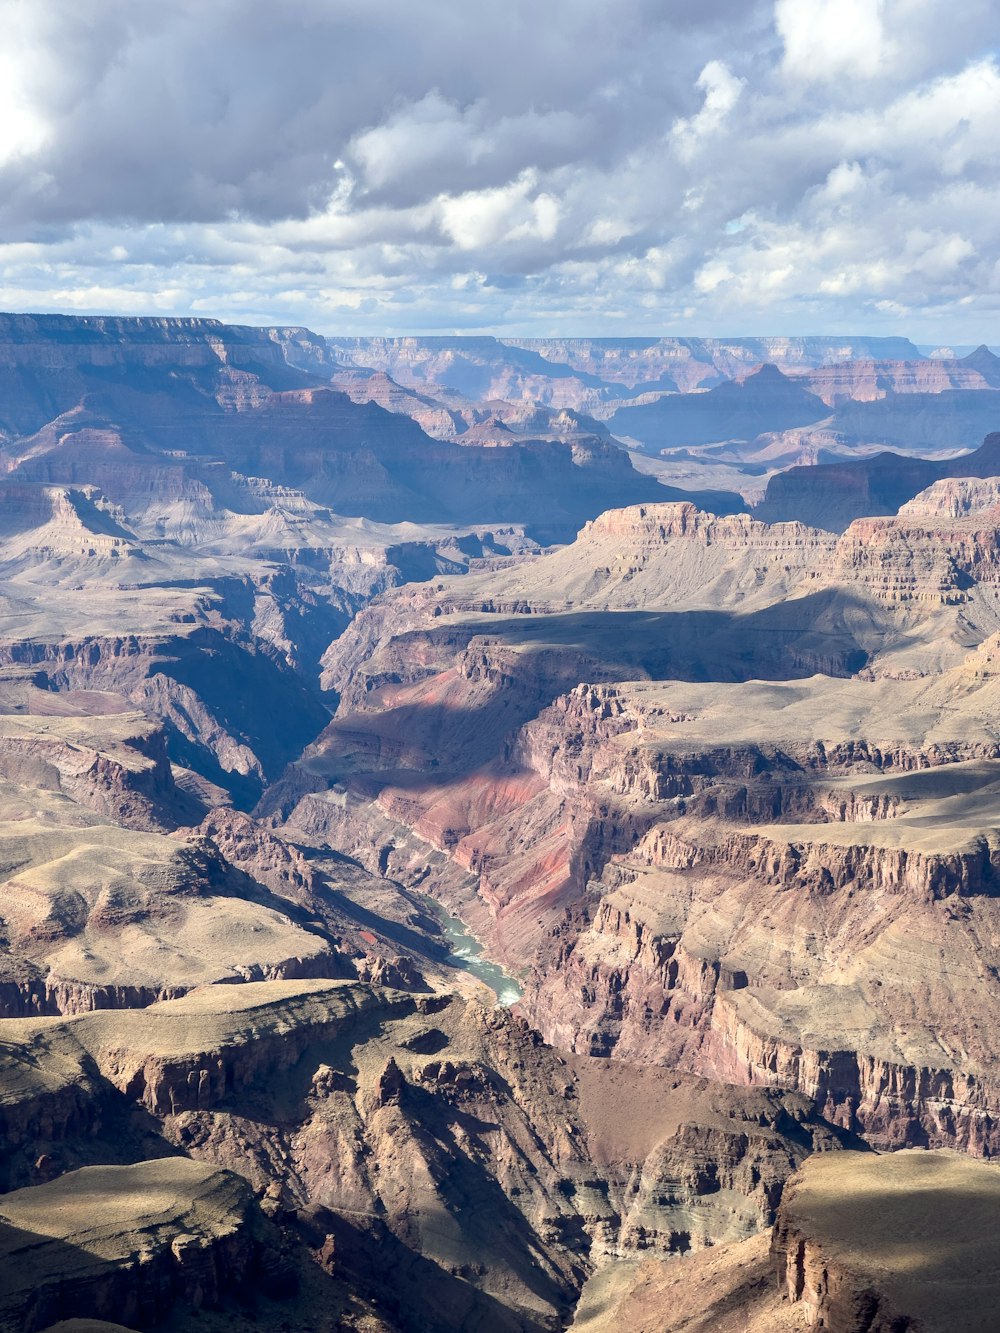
(895, 1244)
(126, 1242)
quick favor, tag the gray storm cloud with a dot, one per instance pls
(568, 167)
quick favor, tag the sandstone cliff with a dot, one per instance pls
(659, 880)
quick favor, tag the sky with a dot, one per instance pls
(533, 167)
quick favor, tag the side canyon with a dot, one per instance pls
(307, 645)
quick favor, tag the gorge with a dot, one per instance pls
(638, 664)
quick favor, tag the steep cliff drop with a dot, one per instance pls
(605, 837)
(296, 710)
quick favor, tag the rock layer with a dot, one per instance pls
(897, 1243)
(678, 896)
(127, 1242)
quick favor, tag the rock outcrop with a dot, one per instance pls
(730, 1288)
(737, 409)
(127, 1242)
(833, 495)
(869, 380)
(392, 1121)
(667, 887)
(719, 795)
(587, 372)
(97, 916)
(898, 1243)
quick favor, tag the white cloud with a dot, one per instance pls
(486, 218)
(722, 91)
(844, 181)
(802, 163)
(22, 129)
(832, 39)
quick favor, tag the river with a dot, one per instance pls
(465, 952)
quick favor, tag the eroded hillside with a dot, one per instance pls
(281, 676)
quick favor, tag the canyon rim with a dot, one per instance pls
(499, 667)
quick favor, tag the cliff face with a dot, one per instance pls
(114, 762)
(185, 678)
(833, 495)
(107, 402)
(839, 1221)
(663, 855)
(719, 794)
(721, 950)
(129, 1241)
(861, 1245)
(899, 561)
(586, 372)
(765, 400)
(48, 361)
(895, 1098)
(450, 1107)
(868, 380)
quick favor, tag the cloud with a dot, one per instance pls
(825, 164)
(832, 39)
(722, 91)
(433, 145)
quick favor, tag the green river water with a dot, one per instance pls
(466, 952)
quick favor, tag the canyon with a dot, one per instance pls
(639, 657)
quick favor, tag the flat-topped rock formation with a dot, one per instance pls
(904, 1241)
(125, 1241)
(48, 361)
(675, 558)
(392, 1121)
(954, 497)
(865, 380)
(99, 916)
